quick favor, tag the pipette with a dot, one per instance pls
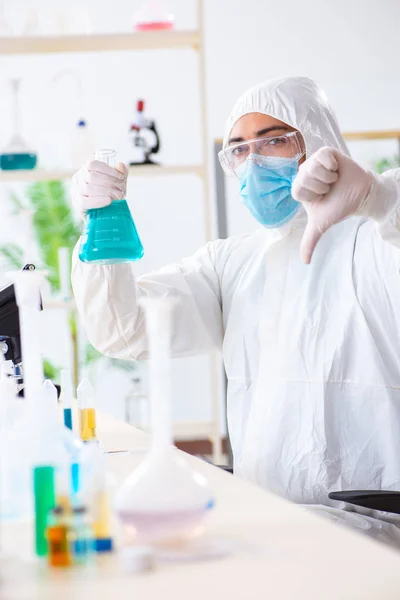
(87, 411)
(164, 499)
(50, 399)
(66, 397)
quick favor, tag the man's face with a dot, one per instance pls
(256, 125)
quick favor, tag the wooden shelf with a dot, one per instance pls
(151, 40)
(63, 174)
(58, 304)
(372, 135)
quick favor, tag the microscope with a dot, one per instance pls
(10, 339)
(145, 138)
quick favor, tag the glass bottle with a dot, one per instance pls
(81, 535)
(109, 234)
(16, 155)
(57, 539)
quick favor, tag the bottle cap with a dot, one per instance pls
(79, 510)
(57, 510)
(103, 544)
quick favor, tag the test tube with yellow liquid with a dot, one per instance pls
(87, 411)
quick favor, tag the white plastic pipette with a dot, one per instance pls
(85, 394)
(158, 326)
(49, 402)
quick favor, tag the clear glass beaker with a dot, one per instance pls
(110, 234)
(16, 155)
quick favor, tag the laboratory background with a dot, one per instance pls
(188, 90)
(79, 76)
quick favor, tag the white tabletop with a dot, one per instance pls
(279, 551)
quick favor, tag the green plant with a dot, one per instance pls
(50, 371)
(54, 227)
(92, 355)
(13, 255)
(384, 164)
(53, 223)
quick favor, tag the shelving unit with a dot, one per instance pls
(151, 40)
(64, 174)
(136, 41)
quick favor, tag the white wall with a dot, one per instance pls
(350, 48)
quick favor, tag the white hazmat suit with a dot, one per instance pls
(312, 352)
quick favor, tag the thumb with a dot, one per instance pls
(122, 168)
(310, 239)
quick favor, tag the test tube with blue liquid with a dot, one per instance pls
(109, 234)
(66, 397)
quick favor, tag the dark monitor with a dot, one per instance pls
(9, 324)
(9, 321)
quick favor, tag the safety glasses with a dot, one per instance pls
(288, 145)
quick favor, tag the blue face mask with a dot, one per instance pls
(265, 187)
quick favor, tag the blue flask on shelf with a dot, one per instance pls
(109, 234)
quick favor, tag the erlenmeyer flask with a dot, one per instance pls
(16, 155)
(109, 234)
(164, 501)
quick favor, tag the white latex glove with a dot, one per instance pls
(331, 187)
(97, 184)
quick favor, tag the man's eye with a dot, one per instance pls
(279, 141)
(238, 151)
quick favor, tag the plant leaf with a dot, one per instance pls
(54, 224)
(13, 255)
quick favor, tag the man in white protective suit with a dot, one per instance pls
(305, 310)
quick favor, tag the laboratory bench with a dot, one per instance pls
(273, 549)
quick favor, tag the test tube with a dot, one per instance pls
(44, 494)
(87, 411)
(66, 397)
(101, 506)
(102, 521)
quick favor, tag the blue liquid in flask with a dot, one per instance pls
(110, 235)
(14, 161)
